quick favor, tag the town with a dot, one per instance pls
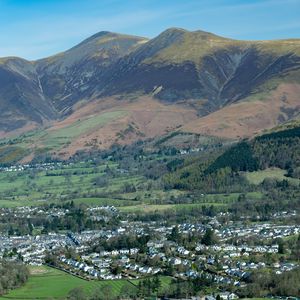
(224, 253)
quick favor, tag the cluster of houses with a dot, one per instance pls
(20, 168)
(229, 250)
(78, 266)
(30, 212)
(32, 249)
(110, 209)
(188, 151)
(262, 231)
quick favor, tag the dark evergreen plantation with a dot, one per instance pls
(215, 172)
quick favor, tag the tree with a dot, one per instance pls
(209, 238)
(116, 269)
(170, 270)
(77, 294)
(12, 275)
(281, 247)
(104, 293)
(174, 236)
(128, 291)
(156, 284)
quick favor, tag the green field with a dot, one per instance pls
(58, 138)
(162, 207)
(259, 176)
(74, 182)
(48, 283)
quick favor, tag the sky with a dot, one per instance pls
(34, 29)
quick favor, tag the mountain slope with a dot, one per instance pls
(75, 74)
(102, 123)
(22, 99)
(253, 115)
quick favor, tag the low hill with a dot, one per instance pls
(223, 170)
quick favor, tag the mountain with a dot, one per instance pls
(115, 88)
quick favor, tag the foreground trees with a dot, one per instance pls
(12, 275)
(262, 283)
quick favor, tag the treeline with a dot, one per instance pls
(12, 275)
(181, 215)
(124, 241)
(199, 175)
(278, 196)
(76, 219)
(263, 283)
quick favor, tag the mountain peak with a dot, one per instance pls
(172, 32)
(175, 34)
(104, 35)
(175, 30)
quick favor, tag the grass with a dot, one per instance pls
(58, 138)
(55, 139)
(163, 207)
(48, 283)
(77, 182)
(27, 189)
(10, 154)
(195, 45)
(18, 203)
(104, 202)
(165, 282)
(259, 176)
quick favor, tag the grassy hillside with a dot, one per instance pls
(257, 177)
(100, 124)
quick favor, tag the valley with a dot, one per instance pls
(111, 221)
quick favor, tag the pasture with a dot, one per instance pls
(48, 283)
(275, 173)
